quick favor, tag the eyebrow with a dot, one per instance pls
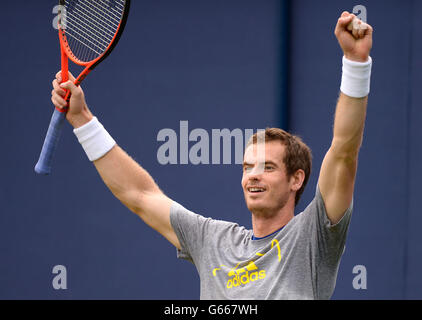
(265, 163)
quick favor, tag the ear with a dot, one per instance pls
(296, 180)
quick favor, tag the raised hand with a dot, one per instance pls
(354, 37)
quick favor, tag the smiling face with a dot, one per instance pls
(266, 186)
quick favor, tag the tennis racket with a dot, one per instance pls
(88, 31)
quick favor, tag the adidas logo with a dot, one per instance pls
(240, 276)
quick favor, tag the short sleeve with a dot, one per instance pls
(188, 227)
(331, 237)
(326, 242)
(199, 235)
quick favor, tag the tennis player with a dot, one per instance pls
(284, 256)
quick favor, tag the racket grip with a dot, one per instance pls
(51, 140)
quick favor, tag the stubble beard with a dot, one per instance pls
(267, 212)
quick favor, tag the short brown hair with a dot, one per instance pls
(297, 156)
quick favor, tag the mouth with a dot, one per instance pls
(255, 190)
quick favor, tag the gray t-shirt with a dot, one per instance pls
(299, 262)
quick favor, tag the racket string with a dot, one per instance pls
(71, 17)
(117, 3)
(84, 44)
(91, 26)
(105, 33)
(112, 23)
(109, 10)
(78, 26)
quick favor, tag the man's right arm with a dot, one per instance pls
(125, 178)
(137, 190)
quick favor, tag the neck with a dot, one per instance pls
(264, 224)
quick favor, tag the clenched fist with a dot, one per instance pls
(78, 113)
(354, 37)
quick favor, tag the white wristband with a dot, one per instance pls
(356, 78)
(95, 140)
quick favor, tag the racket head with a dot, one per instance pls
(90, 30)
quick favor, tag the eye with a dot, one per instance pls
(269, 168)
(247, 169)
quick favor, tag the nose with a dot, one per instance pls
(253, 177)
(257, 170)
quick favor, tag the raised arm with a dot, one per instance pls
(338, 170)
(126, 179)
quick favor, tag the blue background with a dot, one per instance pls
(217, 64)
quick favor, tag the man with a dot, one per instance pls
(284, 256)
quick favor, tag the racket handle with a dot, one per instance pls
(51, 140)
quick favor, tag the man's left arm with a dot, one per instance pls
(338, 170)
